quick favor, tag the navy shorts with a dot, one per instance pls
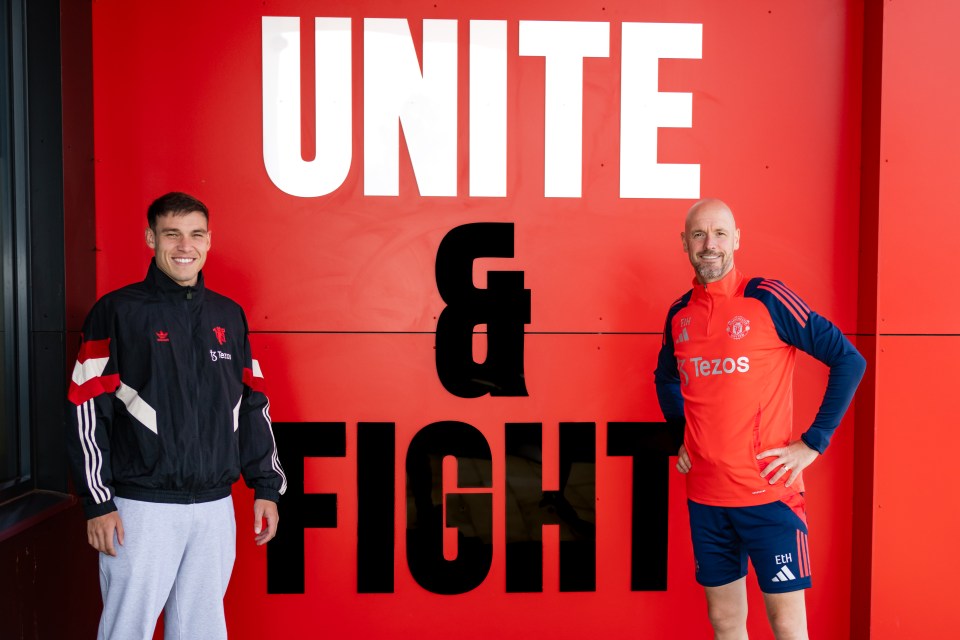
(774, 535)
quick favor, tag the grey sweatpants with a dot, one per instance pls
(176, 558)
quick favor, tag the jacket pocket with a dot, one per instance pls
(757, 444)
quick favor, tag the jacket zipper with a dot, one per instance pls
(194, 330)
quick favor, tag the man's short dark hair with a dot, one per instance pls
(174, 203)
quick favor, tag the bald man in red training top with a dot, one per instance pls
(725, 371)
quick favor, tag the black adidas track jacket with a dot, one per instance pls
(165, 402)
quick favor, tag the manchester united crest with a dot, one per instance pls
(221, 334)
(738, 328)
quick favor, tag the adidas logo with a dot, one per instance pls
(784, 575)
(683, 336)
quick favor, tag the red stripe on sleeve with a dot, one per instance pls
(78, 394)
(790, 294)
(92, 349)
(788, 305)
(251, 380)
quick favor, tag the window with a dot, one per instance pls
(15, 459)
(31, 250)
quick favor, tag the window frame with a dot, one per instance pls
(32, 253)
(15, 250)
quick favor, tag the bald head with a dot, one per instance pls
(710, 237)
(709, 206)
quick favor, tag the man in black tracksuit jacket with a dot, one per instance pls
(167, 411)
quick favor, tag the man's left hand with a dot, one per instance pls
(265, 509)
(792, 459)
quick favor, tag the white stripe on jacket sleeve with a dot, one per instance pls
(92, 456)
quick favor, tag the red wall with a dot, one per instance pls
(915, 509)
(340, 289)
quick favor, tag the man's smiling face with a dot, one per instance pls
(710, 238)
(180, 244)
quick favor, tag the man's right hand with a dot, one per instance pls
(683, 460)
(100, 532)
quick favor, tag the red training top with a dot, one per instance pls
(726, 369)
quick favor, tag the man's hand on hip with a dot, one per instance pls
(792, 459)
(683, 460)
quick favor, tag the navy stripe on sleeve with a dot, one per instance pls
(665, 376)
(810, 332)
